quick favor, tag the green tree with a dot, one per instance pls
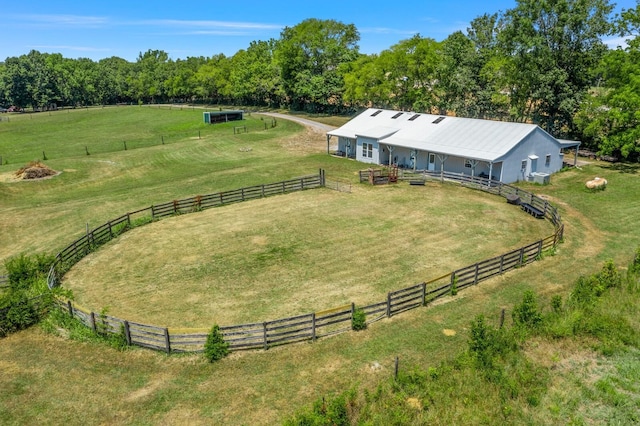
(609, 117)
(553, 47)
(215, 348)
(310, 56)
(255, 76)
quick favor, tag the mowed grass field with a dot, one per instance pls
(50, 379)
(296, 253)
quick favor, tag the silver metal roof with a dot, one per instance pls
(485, 140)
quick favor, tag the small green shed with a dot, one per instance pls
(212, 117)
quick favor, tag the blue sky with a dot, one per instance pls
(183, 28)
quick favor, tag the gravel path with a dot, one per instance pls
(319, 127)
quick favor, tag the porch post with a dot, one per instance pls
(490, 170)
(390, 148)
(442, 159)
(328, 138)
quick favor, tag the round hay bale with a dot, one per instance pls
(596, 183)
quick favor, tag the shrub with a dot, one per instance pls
(556, 304)
(486, 343)
(526, 314)
(358, 320)
(17, 312)
(25, 270)
(215, 348)
(337, 411)
(609, 277)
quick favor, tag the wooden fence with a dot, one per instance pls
(90, 241)
(310, 326)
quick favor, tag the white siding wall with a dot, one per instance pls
(539, 144)
(364, 157)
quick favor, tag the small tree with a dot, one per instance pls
(358, 320)
(526, 314)
(215, 347)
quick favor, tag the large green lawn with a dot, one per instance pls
(50, 379)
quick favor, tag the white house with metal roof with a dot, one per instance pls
(505, 151)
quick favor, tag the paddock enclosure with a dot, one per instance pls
(298, 254)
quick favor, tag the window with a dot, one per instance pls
(467, 163)
(397, 115)
(376, 113)
(367, 150)
(523, 166)
(438, 120)
(547, 160)
(414, 117)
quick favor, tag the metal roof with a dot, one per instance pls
(486, 140)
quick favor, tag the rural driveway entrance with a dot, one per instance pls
(318, 127)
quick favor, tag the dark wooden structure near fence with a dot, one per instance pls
(310, 326)
(212, 117)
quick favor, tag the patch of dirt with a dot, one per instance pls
(448, 332)
(145, 391)
(35, 170)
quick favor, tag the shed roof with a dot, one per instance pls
(486, 140)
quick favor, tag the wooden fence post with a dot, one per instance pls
(127, 332)
(502, 318)
(264, 335)
(167, 341)
(388, 304)
(521, 256)
(262, 190)
(395, 369)
(501, 264)
(313, 327)
(93, 322)
(540, 249)
(153, 213)
(424, 294)
(475, 276)
(70, 308)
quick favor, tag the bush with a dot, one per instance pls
(23, 271)
(526, 315)
(215, 348)
(337, 411)
(17, 312)
(609, 277)
(358, 320)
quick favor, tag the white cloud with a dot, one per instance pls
(63, 20)
(209, 24)
(614, 43)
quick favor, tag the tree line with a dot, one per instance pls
(541, 62)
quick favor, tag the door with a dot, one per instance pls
(432, 163)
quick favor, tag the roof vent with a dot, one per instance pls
(438, 120)
(376, 113)
(397, 115)
(414, 117)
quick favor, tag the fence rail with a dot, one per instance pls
(263, 335)
(88, 242)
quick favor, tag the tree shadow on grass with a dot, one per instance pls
(630, 168)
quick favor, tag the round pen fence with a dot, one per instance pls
(262, 335)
